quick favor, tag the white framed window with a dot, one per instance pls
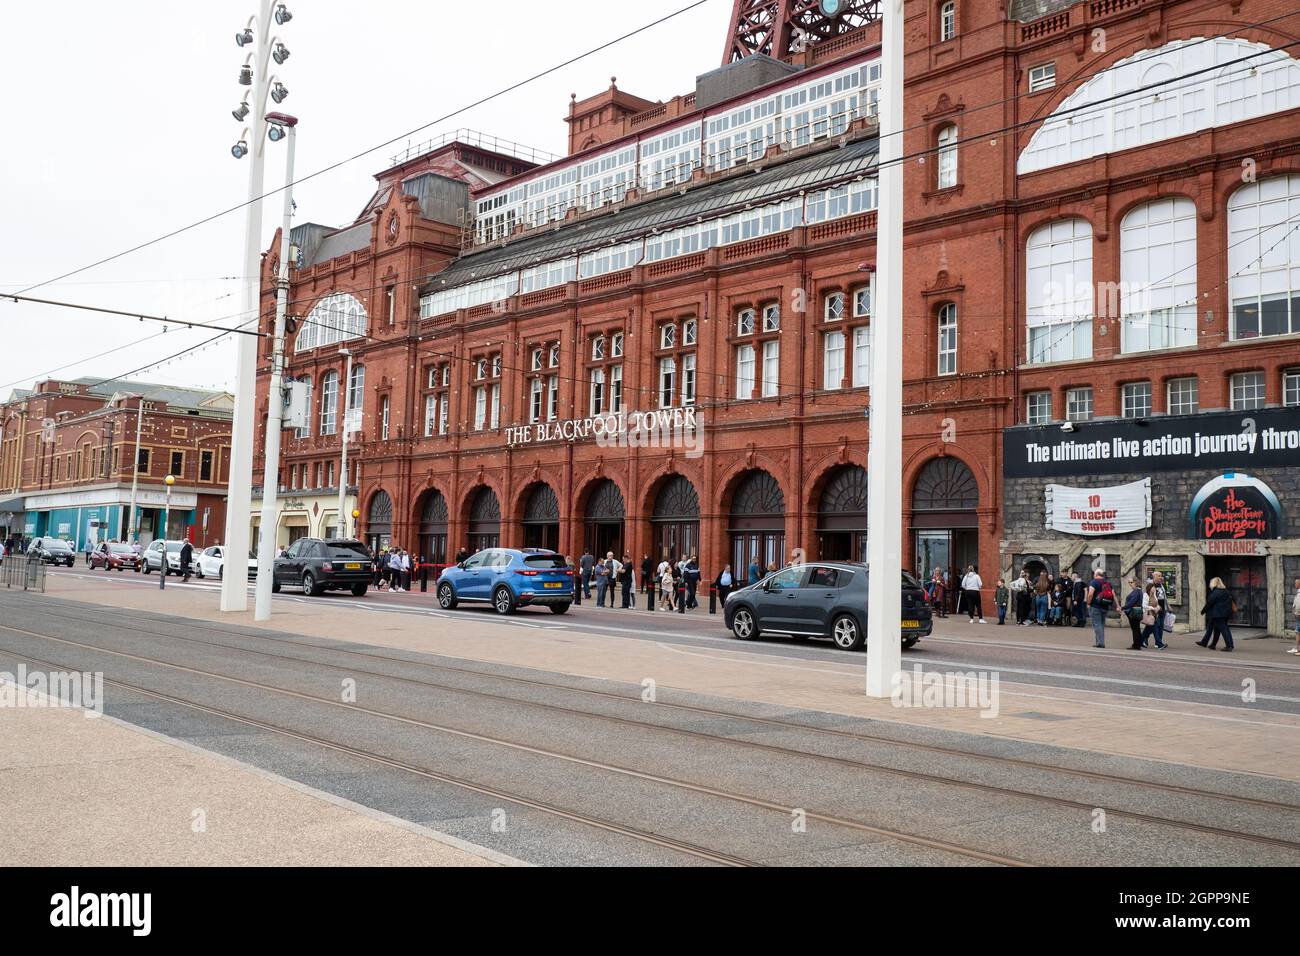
(1042, 77)
(442, 414)
(771, 369)
(862, 302)
(1135, 400)
(383, 418)
(667, 336)
(494, 398)
(947, 21)
(616, 386)
(667, 381)
(832, 360)
(833, 307)
(1038, 408)
(745, 322)
(554, 355)
(1248, 391)
(862, 356)
(480, 408)
(1264, 258)
(536, 361)
(1254, 82)
(1183, 396)
(1078, 404)
(1059, 291)
(336, 318)
(535, 401)
(293, 477)
(598, 349)
(446, 375)
(948, 339)
(329, 474)
(480, 369)
(947, 143)
(496, 365)
(690, 332)
(356, 390)
(688, 379)
(771, 317)
(430, 414)
(1291, 387)
(744, 371)
(329, 403)
(552, 398)
(597, 402)
(616, 345)
(431, 377)
(1158, 275)
(306, 432)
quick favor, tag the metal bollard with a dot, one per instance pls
(424, 578)
(681, 599)
(713, 600)
(650, 599)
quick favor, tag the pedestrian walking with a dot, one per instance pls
(1002, 597)
(404, 570)
(187, 555)
(1295, 611)
(1133, 612)
(1101, 599)
(1159, 600)
(691, 575)
(1042, 598)
(1219, 606)
(754, 575)
(724, 582)
(666, 587)
(938, 594)
(585, 564)
(972, 587)
(628, 580)
(615, 567)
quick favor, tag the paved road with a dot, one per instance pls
(551, 768)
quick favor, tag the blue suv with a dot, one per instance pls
(509, 579)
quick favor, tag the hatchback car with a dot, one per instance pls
(212, 563)
(509, 579)
(152, 559)
(824, 599)
(53, 551)
(318, 566)
(115, 557)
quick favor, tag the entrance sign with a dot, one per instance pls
(1235, 507)
(627, 429)
(1099, 511)
(1235, 548)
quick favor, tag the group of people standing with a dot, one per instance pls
(969, 597)
(675, 581)
(393, 568)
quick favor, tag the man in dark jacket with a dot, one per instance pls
(187, 553)
(626, 580)
(692, 577)
(1080, 589)
(584, 565)
(647, 574)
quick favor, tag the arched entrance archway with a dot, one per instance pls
(434, 517)
(842, 515)
(484, 520)
(603, 519)
(379, 522)
(944, 520)
(676, 519)
(757, 523)
(542, 518)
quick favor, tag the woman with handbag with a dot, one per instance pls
(1219, 606)
(1159, 602)
(1133, 612)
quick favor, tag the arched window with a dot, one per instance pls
(1058, 291)
(947, 143)
(329, 403)
(335, 318)
(1128, 115)
(948, 339)
(1158, 275)
(1264, 257)
(947, 21)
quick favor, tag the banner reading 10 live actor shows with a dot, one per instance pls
(1266, 438)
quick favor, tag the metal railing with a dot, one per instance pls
(26, 571)
(471, 137)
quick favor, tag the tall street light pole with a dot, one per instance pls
(885, 458)
(239, 495)
(133, 523)
(275, 406)
(343, 463)
(167, 520)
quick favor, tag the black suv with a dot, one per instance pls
(822, 599)
(53, 551)
(318, 566)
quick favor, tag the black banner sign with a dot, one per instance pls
(1266, 438)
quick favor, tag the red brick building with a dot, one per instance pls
(707, 259)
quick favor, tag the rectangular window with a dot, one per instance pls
(205, 466)
(1042, 77)
(535, 401)
(293, 477)
(446, 375)
(597, 403)
(667, 336)
(948, 341)
(689, 332)
(390, 295)
(555, 355)
(430, 414)
(862, 302)
(615, 346)
(688, 379)
(597, 349)
(537, 360)
(329, 404)
(431, 377)
(480, 408)
(1247, 391)
(1078, 404)
(771, 369)
(667, 381)
(178, 464)
(142, 462)
(442, 414)
(833, 360)
(383, 418)
(495, 419)
(1291, 387)
(1184, 396)
(1038, 408)
(862, 356)
(329, 475)
(552, 398)
(1136, 400)
(745, 371)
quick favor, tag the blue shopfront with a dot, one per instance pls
(93, 516)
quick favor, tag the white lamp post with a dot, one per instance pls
(343, 462)
(167, 519)
(885, 458)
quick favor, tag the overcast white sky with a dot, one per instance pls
(118, 130)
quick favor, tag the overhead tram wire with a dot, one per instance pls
(188, 323)
(366, 152)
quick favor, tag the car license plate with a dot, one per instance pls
(553, 584)
(352, 567)
(911, 624)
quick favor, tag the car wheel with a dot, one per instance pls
(446, 597)
(359, 590)
(146, 569)
(909, 642)
(309, 585)
(743, 624)
(503, 601)
(559, 608)
(847, 634)
(198, 572)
